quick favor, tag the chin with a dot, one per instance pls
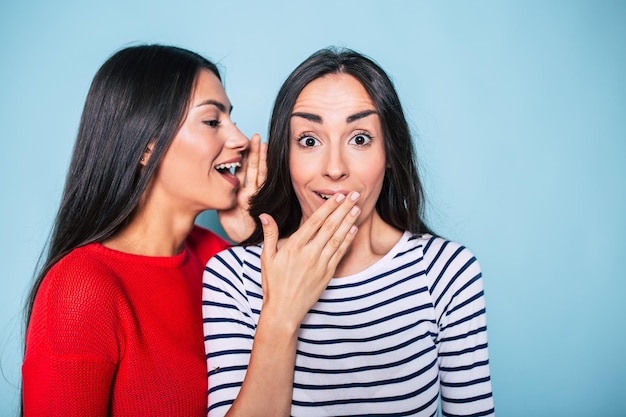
(232, 205)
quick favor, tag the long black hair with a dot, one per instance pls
(139, 96)
(401, 201)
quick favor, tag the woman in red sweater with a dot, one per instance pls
(114, 316)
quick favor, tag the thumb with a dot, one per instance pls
(270, 235)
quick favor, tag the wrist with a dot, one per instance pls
(277, 325)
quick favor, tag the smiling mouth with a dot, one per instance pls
(228, 168)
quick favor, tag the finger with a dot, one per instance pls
(336, 246)
(346, 215)
(338, 255)
(338, 204)
(262, 166)
(240, 173)
(252, 161)
(270, 236)
(332, 255)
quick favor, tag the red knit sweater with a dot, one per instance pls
(120, 335)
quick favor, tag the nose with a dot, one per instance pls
(335, 166)
(235, 139)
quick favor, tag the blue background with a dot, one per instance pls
(519, 110)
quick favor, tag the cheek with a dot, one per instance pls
(196, 144)
(299, 169)
(181, 160)
(373, 182)
(372, 174)
(302, 171)
(298, 179)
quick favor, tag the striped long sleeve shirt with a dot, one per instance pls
(407, 336)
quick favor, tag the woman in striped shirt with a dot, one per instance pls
(398, 327)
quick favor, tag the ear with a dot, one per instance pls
(146, 154)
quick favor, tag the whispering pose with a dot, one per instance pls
(114, 317)
(401, 323)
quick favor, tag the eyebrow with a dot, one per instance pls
(220, 106)
(318, 119)
(360, 115)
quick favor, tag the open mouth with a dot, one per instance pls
(228, 168)
(324, 196)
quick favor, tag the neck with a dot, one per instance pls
(152, 233)
(374, 239)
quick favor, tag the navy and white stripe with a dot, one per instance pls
(390, 340)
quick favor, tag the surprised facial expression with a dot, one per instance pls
(336, 144)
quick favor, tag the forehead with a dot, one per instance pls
(334, 92)
(208, 87)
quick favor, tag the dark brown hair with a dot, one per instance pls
(139, 95)
(401, 201)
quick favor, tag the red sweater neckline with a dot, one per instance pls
(160, 261)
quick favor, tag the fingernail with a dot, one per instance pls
(355, 196)
(263, 219)
(340, 197)
(355, 211)
(353, 229)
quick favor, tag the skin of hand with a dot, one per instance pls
(294, 275)
(236, 221)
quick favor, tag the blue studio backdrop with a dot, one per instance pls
(518, 108)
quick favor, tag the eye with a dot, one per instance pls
(212, 123)
(361, 139)
(307, 141)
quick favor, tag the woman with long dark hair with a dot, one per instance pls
(399, 327)
(114, 316)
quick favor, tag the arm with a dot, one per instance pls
(236, 221)
(293, 277)
(69, 362)
(459, 300)
(67, 386)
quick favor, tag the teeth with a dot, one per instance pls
(231, 166)
(325, 196)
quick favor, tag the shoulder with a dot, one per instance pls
(431, 248)
(83, 279)
(205, 243)
(440, 252)
(236, 258)
(81, 299)
(239, 254)
(451, 270)
(86, 264)
(231, 265)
